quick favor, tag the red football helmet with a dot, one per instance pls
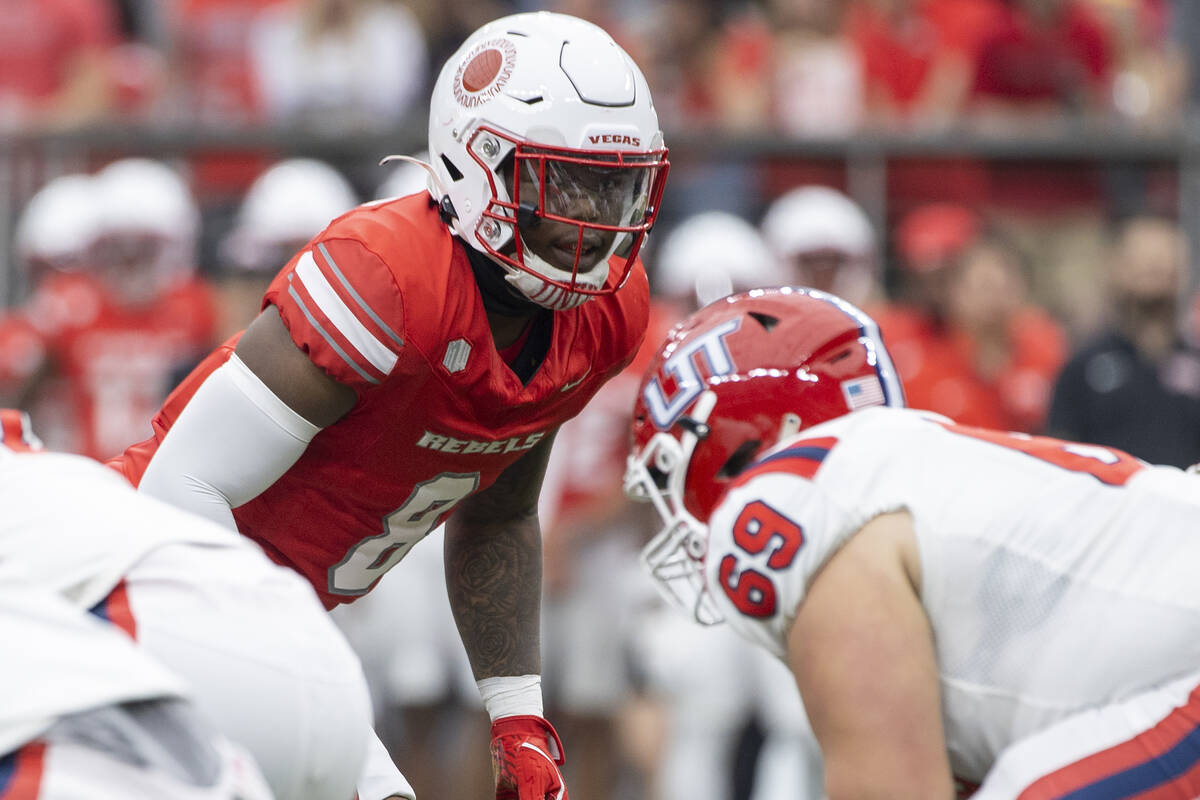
(731, 381)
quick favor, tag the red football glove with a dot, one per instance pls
(526, 755)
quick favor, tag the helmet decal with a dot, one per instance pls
(689, 383)
(484, 72)
(863, 392)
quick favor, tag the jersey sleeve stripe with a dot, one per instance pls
(21, 772)
(341, 316)
(1161, 761)
(337, 348)
(366, 309)
(115, 609)
(803, 458)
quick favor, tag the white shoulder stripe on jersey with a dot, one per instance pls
(370, 312)
(340, 315)
(319, 328)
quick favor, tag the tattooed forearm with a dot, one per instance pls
(494, 581)
(494, 569)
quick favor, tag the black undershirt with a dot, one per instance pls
(499, 297)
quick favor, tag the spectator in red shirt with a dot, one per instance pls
(1048, 56)
(713, 67)
(213, 72)
(919, 56)
(966, 341)
(53, 70)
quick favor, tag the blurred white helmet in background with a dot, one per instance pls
(553, 99)
(714, 254)
(287, 205)
(818, 218)
(59, 224)
(139, 195)
(825, 238)
(405, 178)
(149, 223)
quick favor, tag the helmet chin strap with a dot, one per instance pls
(544, 294)
(693, 434)
(547, 295)
(790, 426)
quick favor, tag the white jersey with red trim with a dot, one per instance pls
(60, 660)
(1056, 576)
(99, 527)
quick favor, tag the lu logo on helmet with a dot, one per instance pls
(689, 383)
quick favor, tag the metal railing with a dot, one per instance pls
(27, 160)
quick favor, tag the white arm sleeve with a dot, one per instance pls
(380, 779)
(232, 440)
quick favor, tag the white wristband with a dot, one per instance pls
(511, 695)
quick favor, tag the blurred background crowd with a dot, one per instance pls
(1010, 187)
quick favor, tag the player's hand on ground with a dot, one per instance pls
(526, 755)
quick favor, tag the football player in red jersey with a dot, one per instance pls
(155, 313)
(412, 362)
(53, 243)
(116, 303)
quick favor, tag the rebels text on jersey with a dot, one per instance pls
(385, 301)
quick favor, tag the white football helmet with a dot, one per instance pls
(547, 154)
(287, 205)
(149, 223)
(59, 224)
(714, 254)
(826, 238)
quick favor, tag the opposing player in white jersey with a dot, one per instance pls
(84, 712)
(1013, 611)
(262, 659)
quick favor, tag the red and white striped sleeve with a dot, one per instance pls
(343, 307)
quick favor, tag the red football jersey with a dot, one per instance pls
(384, 300)
(118, 368)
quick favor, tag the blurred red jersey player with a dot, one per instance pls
(141, 312)
(113, 309)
